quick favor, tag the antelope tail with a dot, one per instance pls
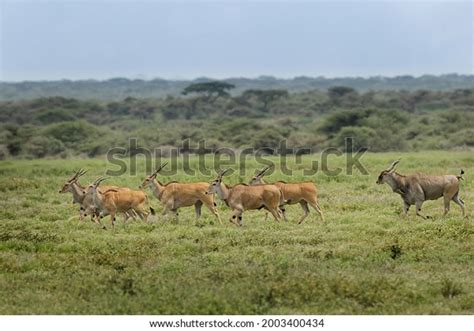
(460, 177)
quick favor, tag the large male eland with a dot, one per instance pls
(417, 188)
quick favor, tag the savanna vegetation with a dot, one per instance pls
(363, 259)
(388, 120)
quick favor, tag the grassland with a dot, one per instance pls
(364, 259)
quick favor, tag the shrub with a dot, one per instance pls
(463, 137)
(72, 133)
(362, 137)
(267, 138)
(47, 116)
(450, 289)
(40, 146)
(170, 113)
(340, 119)
(4, 152)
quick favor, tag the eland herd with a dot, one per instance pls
(99, 201)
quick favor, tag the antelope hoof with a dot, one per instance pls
(235, 223)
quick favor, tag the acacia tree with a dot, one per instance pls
(209, 91)
(265, 96)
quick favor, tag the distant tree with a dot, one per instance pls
(209, 91)
(339, 91)
(337, 94)
(143, 111)
(130, 99)
(267, 139)
(337, 120)
(47, 116)
(169, 113)
(265, 96)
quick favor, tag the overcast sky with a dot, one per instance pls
(45, 40)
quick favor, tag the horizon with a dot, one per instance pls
(50, 41)
(261, 77)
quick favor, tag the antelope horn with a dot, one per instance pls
(263, 171)
(159, 168)
(394, 164)
(99, 180)
(76, 174)
(222, 173)
(81, 172)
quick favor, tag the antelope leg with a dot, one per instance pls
(460, 203)
(418, 205)
(304, 205)
(316, 207)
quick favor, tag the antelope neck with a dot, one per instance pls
(97, 196)
(223, 193)
(157, 188)
(77, 192)
(397, 183)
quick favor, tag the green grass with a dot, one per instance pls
(365, 259)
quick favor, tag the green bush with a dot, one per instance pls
(72, 133)
(48, 116)
(462, 138)
(343, 118)
(267, 138)
(43, 146)
(4, 152)
(362, 137)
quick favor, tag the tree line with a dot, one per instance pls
(117, 89)
(386, 120)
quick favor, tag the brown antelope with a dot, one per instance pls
(416, 189)
(72, 185)
(242, 197)
(80, 196)
(88, 206)
(177, 195)
(303, 193)
(113, 201)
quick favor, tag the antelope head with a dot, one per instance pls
(95, 184)
(257, 179)
(386, 173)
(72, 180)
(216, 183)
(149, 179)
